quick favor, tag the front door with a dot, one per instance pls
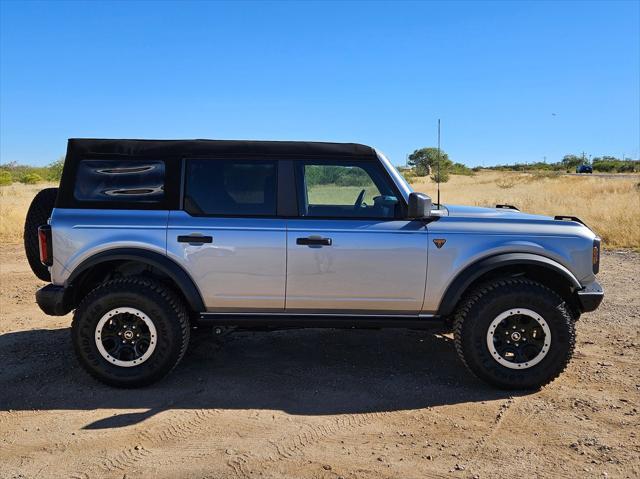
(350, 251)
(227, 235)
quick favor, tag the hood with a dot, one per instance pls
(500, 216)
(491, 213)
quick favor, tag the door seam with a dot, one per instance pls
(286, 262)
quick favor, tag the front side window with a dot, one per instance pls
(230, 188)
(346, 190)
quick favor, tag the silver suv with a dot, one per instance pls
(146, 239)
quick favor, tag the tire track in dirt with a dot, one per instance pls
(315, 433)
(181, 426)
(186, 424)
(239, 465)
(309, 435)
(504, 411)
(500, 417)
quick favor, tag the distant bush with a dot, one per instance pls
(336, 175)
(55, 170)
(604, 164)
(5, 178)
(609, 164)
(460, 169)
(353, 177)
(51, 172)
(31, 179)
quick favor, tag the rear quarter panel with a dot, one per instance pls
(80, 233)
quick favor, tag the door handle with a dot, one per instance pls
(314, 241)
(195, 239)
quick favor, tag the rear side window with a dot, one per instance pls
(120, 181)
(230, 188)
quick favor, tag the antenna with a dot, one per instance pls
(438, 172)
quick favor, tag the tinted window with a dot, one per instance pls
(348, 190)
(230, 187)
(120, 180)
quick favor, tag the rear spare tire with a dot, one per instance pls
(38, 214)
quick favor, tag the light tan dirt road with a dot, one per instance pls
(318, 403)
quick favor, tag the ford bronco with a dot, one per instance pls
(146, 239)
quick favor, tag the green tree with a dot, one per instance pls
(425, 160)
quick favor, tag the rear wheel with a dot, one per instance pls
(38, 214)
(514, 333)
(130, 332)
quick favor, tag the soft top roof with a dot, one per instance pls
(79, 147)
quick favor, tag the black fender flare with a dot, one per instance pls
(169, 267)
(471, 273)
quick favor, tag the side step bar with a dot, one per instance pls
(284, 320)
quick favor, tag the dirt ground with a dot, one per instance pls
(318, 403)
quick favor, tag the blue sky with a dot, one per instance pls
(511, 81)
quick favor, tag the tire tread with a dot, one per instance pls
(462, 315)
(131, 284)
(38, 214)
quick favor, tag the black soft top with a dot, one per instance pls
(171, 153)
(78, 148)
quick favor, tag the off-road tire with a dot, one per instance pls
(37, 215)
(479, 308)
(162, 305)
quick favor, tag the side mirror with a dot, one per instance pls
(419, 206)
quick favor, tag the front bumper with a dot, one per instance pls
(590, 297)
(53, 300)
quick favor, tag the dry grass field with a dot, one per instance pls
(609, 204)
(14, 203)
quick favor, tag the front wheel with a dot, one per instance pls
(514, 333)
(130, 332)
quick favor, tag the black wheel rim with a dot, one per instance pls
(125, 337)
(519, 338)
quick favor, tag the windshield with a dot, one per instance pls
(405, 188)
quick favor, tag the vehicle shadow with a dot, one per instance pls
(305, 372)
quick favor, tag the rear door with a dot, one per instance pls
(350, 251)
(227, 235)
